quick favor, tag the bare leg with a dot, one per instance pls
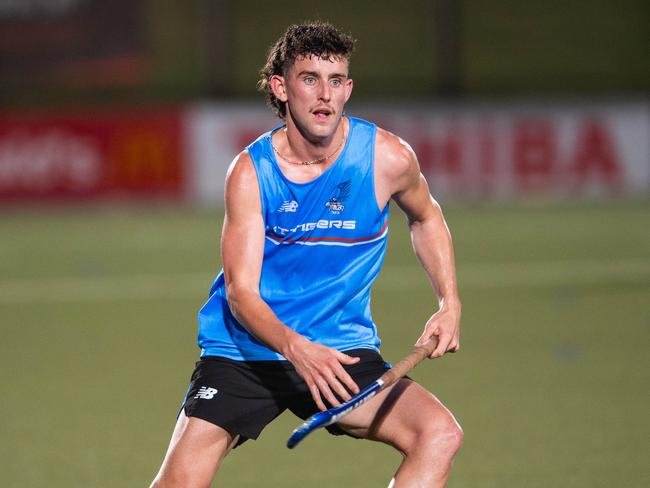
(194, 455)
(416, 423)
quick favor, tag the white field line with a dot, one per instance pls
(196, 284)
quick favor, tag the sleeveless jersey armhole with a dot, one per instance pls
(259, 187)
(372, 170)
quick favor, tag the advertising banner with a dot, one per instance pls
(91, 155)
(528, 150)
(470, 151)
(465, 151)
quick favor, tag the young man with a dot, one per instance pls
(288, 323)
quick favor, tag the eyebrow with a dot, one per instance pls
(317, 74)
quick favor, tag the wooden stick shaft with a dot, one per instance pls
(409, 362)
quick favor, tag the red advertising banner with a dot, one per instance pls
(91, 155)
(470, 151)
(519, 154)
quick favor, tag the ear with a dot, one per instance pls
(279, 88)
(348, 89)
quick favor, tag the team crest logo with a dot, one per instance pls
(336, 204)
(288, 206)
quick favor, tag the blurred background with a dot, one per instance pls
(531, 121)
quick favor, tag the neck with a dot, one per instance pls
(299, 147)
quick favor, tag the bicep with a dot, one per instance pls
(398, 177)
(416, 201)
(411, 191)
(242, 239)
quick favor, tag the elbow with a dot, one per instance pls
(429, 215)
(237, 296)
(234, 298)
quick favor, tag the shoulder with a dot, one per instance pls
(241, 178)
(396, 163)
(241, 168)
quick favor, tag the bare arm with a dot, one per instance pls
(242, 250)
(399, 177)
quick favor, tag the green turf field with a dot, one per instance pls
(552, 385)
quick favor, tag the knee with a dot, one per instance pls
(178, 479)
(452, 436)
(441, 437)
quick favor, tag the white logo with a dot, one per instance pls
(206, 393)
(321, 224)
(334, 206)
(288, 206)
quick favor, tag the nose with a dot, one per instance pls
(324, 91)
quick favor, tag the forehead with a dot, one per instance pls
(316, 64)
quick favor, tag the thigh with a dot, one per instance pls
(368, 369)
(397, 415)
(239, 397)
(195, 452)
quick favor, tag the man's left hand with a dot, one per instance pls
(445, 325)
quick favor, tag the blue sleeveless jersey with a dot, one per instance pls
(324, 246)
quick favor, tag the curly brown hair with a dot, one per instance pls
(309, 39)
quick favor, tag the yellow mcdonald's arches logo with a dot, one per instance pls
(144, 158)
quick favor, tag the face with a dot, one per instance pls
(315, 91)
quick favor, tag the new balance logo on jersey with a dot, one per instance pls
(288, 206)
(206, 393)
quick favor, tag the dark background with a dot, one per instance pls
(93, 51)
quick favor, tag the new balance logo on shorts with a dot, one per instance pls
(206, 393)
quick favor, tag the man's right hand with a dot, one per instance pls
(322, 369)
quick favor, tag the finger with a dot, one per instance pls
(454, 344)
(343, 375)
(326, 391)
(441, 348)
(425, 338)
(426, 335)
(422, 339)
(315, 394)
(338, 388)
(345, 359)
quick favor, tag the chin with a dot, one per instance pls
(328, 125)
(318, 129)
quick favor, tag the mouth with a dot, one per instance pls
(322, 114)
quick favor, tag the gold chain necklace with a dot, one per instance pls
(313, 161)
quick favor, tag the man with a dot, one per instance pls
(288, 323)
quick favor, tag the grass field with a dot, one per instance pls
(552, 385)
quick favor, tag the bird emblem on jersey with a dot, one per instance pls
(336, 204)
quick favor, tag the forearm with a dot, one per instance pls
(259, 319)
(320, 366)
(434, 249)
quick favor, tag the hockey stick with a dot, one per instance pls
(333, 415)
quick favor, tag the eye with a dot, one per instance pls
(310, 80)
(335, 82)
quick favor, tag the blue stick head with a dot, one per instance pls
(323, 419)
(316, 421)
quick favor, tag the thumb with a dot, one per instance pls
(426, 335)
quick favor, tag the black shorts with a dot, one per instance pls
(243, 397)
